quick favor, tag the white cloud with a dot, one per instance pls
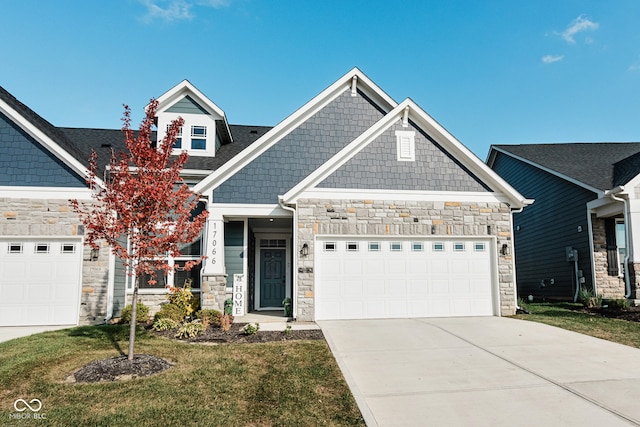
(635, 67)
(579, 25)
(175, 10)
(549, 59)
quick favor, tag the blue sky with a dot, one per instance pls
(491, 72)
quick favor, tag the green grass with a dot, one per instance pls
(290, 383)
(568, 316)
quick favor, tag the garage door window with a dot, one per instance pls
(374, 246)
(329, 246)
(15, 248)
(68, 248)
(478, 247)
(42, 248)
(417, 246)
(438, 247)
(352, 246)
(458, 247)
(395, 246)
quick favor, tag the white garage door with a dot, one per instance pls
(373, 278)
(39, 282)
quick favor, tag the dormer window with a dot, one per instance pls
(178, 143)
(198, 137)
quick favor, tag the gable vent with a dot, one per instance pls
(406, 142)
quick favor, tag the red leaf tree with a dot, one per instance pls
(145, 199)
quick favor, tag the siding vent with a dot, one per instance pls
(406, 145)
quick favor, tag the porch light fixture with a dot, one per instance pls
(505, 249)
(95, 253)
(305, 250)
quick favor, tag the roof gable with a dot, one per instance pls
(42, 132)
(478, 176)
(353, 83)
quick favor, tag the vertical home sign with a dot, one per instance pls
(239, 287)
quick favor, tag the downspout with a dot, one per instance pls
(591, 254)
(110, 285)
(611, 194)
(294, 249)
(513, 260)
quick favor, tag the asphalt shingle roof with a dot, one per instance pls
(603, 165)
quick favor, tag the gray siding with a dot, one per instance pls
(377, 167)
(302, 151)
(187, 106)
(546, 228)
(24, 162)
(233, 249)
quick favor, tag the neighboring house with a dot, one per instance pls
(354, 206)
(579, 232)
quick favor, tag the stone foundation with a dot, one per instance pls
(214, 291)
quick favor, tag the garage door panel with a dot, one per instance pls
(424, 278)
(39, 284)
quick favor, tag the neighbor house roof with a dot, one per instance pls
(601, 165)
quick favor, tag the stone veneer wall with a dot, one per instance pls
(214, 291)
(398, 218)
(54, 218)
(607, 286)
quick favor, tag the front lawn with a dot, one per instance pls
(572, 317)
(292, 383)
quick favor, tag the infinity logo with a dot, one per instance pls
(35, 408)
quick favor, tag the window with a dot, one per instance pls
(395, 246)
(478, 247)
(417, 246)
(374, 246)
(178, 143)
(329, 246)
(15, 248)
(273, 243)
(177, 277)
(406, 143)
(614, 233)
(42, 248)
(352, 246)
(458, 247)
(198, 137)
(68, 248)
(438, 247)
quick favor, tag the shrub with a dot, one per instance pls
(250, 329)
(209, 317)
(618, 304)
(225, 322)
(184, 298)
(142, 313)
(170, 311)
(165, 324)
(588, 298)
(190, 330)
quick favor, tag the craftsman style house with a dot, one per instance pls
(354, 206)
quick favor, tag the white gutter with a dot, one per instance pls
(294, 244)
(611, 194)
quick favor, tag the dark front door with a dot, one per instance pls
(273, 277)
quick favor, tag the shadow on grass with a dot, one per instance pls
(110, 333)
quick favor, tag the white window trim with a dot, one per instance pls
(406, 145)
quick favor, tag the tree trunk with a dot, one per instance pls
(134, 312)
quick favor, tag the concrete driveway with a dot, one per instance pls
(487, 371)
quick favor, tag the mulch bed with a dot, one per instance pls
(630, 314)
(235, 335)
(120, 368)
